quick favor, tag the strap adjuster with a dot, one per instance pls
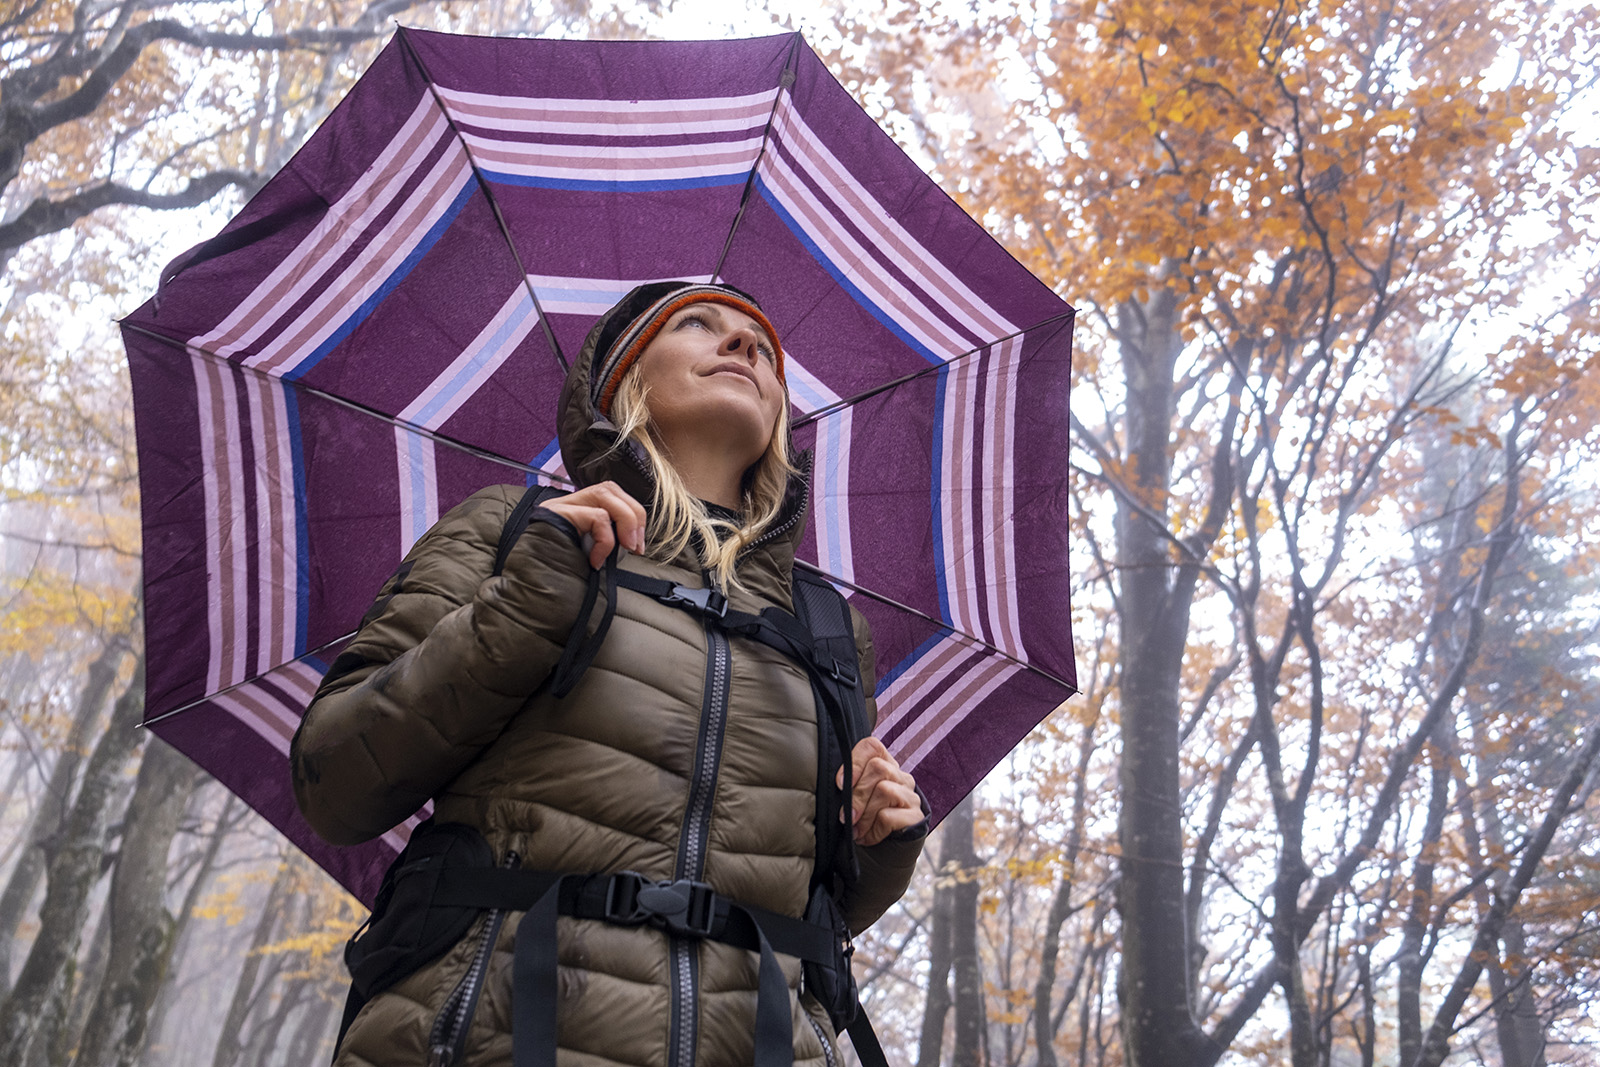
(707, 601)
(684, 907)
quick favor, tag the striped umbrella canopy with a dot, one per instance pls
(385, 327)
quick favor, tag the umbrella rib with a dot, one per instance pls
(785, 80)
(488, 195)
(345, 402)
(225, 690)
(891, 602)
(839, 405)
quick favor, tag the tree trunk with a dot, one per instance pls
(313, 1037)
(83, 989)
(930, 1044)
(1409, 961)
(168, 994)
(32, 1014)
(141, 928)
(965, 971)
(1158, 1025)
(247, 992)
(52, 809)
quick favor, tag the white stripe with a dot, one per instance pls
(648, 118)
(266, 538)
(590, 296)
(235, 538)
(418, 484)
(999, 538)
(556, 466)
(858, 265)
(612, 163)
(397, 838)
(300, 678)
(340, 296)
(335, 232)
(962, 459)
(287, 539)
(971, 692)
(208, 481)
(476, 364)
(921, 678)
(852, 200)
(272, 722)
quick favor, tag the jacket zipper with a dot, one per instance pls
(827, 1046)
(449, 1033)
(694, 838)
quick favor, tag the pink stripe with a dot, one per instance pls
(283, 518)
(957, 500)
(604, 113)
(236, 538)
(344, 224)
(262, 714)
(1001, 426)
(870, 216)
(209, 430)
(863, 270)
(299, 678)
(269, 563)
(913, 687)
(541, 155)
(375, 264)
(959, 701)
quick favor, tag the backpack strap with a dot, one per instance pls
(517, 521)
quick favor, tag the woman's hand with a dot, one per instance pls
(884, 796)
(605, 513)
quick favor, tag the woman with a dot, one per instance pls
(680, 753)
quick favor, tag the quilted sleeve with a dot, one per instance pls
(887, 866)
(444, 658)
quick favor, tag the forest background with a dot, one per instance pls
(1328, 795)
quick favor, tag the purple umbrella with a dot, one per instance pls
(385, 327)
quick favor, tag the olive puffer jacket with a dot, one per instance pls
(443, 695)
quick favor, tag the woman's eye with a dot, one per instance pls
(768, 353)
(698, 320)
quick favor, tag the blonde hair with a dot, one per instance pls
(677, 517)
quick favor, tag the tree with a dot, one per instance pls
(93, 88)
(1284, 221)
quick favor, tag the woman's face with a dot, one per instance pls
(713, 382)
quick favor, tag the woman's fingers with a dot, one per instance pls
(607, 514)
(883, 797)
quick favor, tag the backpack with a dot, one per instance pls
(820, 636)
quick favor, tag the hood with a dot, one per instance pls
(587, 438)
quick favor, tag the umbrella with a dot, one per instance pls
(385, 327)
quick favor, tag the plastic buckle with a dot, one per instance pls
(623, 899)
(686, 908)
(840, 671)
(707, 601)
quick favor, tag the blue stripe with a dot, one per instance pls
(419, 484)
(642, 185)
(910, 661)
(316, 663)
(487, 351)
(940, 380)
(839, 276)
(359, 316)
(530, 479)
(302, 533)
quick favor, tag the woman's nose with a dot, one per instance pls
(741, 342)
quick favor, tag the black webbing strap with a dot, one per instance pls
(682, 908)
(518, 521)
